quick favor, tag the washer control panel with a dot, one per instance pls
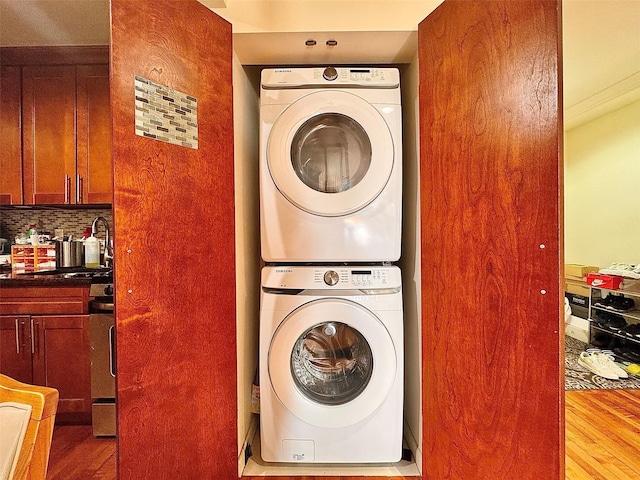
(331, 277)
(368, 277)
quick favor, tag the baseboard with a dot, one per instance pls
(251, 433)
(413, 445)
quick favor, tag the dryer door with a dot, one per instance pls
(330, 153)
(332, 363)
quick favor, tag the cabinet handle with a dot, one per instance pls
(67, 188)
(17, 338)
(112, 346)
(33, 337)
(79, 188)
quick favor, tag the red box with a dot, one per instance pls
(610, 282)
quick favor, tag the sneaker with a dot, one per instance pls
(598, 364)
(611, 360)
(622, 304)
(605, 302)
(616, 323)
(632, 331)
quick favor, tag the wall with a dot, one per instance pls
(246, 82)
(410, 260)
(602, 181)
(325, 15)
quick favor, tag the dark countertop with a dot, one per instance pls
(64, 277)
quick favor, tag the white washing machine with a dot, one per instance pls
(331, 364)
(330, 165)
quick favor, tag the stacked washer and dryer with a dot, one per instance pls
(331, 319)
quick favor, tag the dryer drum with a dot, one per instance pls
(331, 153)
(331, 363)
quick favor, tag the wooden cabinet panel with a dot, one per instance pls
(67, 135)
(49, 344)
(169, 368)
(94, 166)
(49, 134)
(490, 139)
(15, 347)
(44, 300)
(10, 136)
(62, 360)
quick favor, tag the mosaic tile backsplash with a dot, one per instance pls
(74, 222)
(165, 114)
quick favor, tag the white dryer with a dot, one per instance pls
(330, 165)
(331, 364)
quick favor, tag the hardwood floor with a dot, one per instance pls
(602, 435)
(602, 442)
(77, 455)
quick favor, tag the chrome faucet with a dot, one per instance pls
(108, 242)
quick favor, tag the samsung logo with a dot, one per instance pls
(283, 70)
(284, 270)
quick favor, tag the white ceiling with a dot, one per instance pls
(601, 38)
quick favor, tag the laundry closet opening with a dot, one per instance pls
(250, 264)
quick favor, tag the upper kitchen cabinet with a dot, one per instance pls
(49, 134)
(66, 135)
(94, 135)
(10, 136)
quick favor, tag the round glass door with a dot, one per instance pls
(331, 363)
(330, 153)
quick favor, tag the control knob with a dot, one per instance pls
(330, 73)
(331, 277)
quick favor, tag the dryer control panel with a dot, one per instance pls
(331, 277)
(316, 77)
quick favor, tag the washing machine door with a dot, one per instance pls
(332, 363)
(330, 153)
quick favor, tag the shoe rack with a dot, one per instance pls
(614, 321)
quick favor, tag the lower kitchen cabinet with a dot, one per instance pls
(15, 347)
(53, 351)
(42, 344)
(62, 360)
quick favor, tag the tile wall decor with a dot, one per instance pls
(165, 114)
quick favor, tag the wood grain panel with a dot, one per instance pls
(62, 360)
(54, 55)
(94, 167)
(49, 134)
(490, 138)
(174, 259)
(15, 347)
(10, 136)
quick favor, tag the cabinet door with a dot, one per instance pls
(10, 136)
(490, 143)
(62, 360)
(49, 134)
(162, 359)
(16, 347)
(94, 179)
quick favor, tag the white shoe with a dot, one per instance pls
(599, 364)
(615, 368)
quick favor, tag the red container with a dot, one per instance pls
(610, 282)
